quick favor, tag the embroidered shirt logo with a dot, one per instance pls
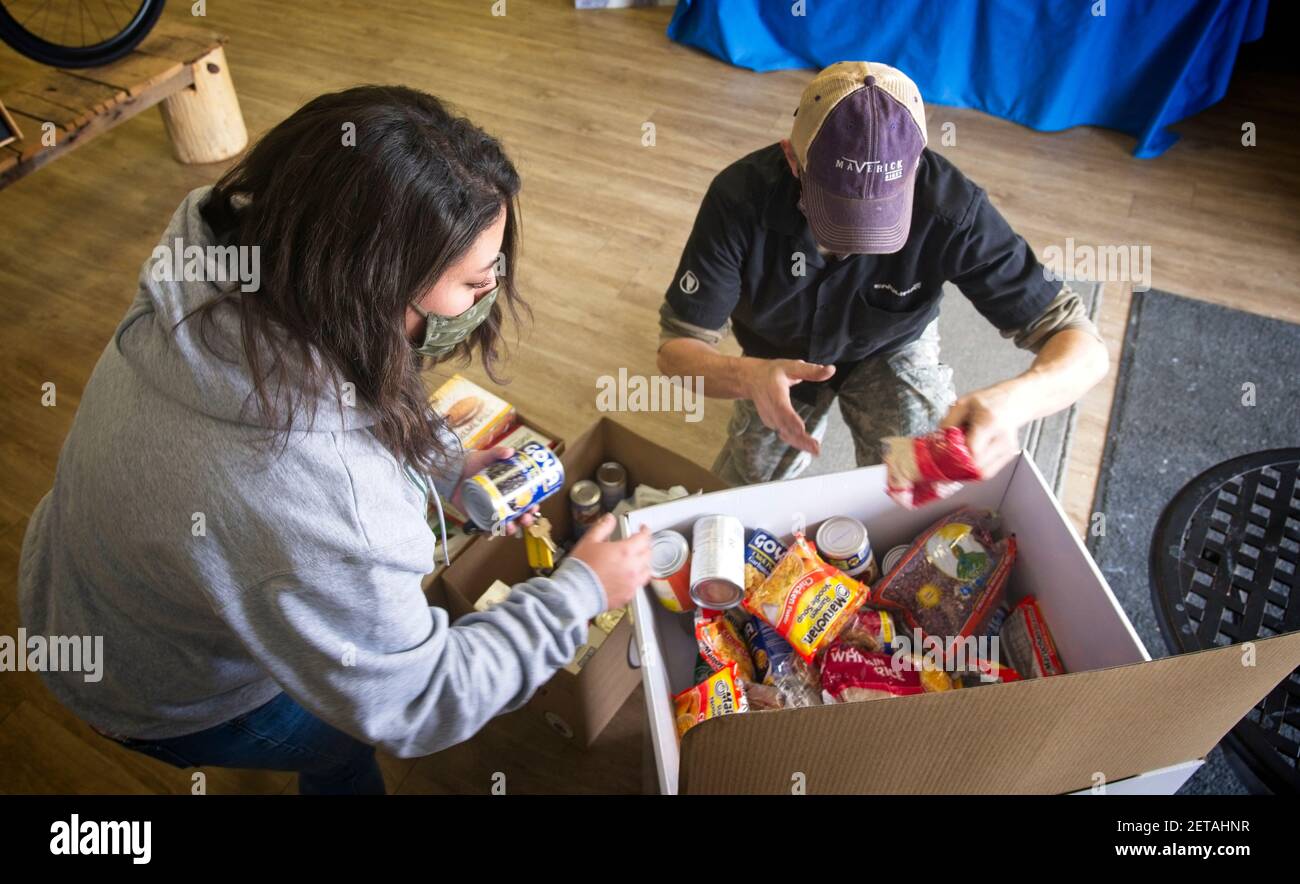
(689, 283)
(889, 288)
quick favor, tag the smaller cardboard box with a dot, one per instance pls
(578, 705)
(1117, 719)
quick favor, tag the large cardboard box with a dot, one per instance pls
(1119, 720)
(578, 706)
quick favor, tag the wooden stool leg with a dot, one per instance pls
(204, 121)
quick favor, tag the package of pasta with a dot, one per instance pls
(953, 578)
(722, 693)
(721, 645)
(806, 600)
(781, 676)
(762, 552)
(756, 636)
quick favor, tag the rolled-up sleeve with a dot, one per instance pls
(1066, 311)
(672, 326)
(706, 286)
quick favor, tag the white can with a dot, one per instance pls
(718, 562)
(843, 542)
(893, 557)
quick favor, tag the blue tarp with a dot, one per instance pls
(1049, 64)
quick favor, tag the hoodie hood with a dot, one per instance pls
(189, 268)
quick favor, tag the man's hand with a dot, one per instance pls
(765, 382)
(992, 420)
(768, 385)
(1069, 364)
(477, 460)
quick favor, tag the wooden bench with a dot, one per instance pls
(182, 67)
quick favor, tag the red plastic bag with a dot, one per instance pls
(929, 467)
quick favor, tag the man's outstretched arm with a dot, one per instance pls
(1071, 359)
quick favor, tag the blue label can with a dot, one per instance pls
(762, 552)
(503, 491)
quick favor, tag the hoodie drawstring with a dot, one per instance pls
(442, 525)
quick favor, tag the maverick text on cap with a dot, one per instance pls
(858, 134)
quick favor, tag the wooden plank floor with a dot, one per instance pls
(604, 220)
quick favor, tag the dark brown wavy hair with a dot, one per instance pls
(349, 235)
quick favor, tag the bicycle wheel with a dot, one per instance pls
(76, 33)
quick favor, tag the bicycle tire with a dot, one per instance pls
(57, 55)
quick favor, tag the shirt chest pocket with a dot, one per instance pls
(901, 296)
(881, 317)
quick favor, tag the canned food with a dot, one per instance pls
(503, 491)
(612, 479)
(670, 570)
(584, 502)
(762, 552)
(892, 558)
(842, 541)
(718, 562)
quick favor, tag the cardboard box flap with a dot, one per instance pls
(647, 462)
(1046, 735)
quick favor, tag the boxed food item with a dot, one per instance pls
(522, 434)
(476, 416)
(1116, 714)
(579, 701)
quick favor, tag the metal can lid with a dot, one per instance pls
(585, 493)
(716, 592)
(841, 537)
(612, 474)
(668, 553)
(891, 558)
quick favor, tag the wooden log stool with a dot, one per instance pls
(182, 68)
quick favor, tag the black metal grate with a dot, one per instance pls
(1236, 543)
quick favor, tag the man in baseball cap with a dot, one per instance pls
(826, 256)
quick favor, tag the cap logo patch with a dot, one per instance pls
(891, 170)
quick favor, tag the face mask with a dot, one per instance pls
(443, 333)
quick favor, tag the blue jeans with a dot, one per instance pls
(281, 735)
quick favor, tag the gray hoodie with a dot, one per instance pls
(220, 576)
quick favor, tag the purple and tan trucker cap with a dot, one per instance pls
(858, 136)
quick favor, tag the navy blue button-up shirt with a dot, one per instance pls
(751, 258)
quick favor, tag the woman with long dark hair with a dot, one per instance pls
(240, 507)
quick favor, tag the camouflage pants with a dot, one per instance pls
(904, 393)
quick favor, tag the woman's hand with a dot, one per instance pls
(476, 461)
(623, 566)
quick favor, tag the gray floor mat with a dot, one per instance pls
(1180, 409)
